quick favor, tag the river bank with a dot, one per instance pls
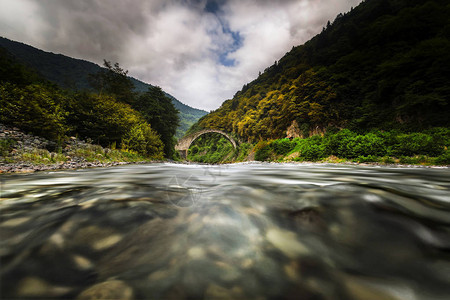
(71, 165)
(25, 167)
(24, 153)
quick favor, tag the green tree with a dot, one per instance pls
(144, 140)
(108, 121)
(34, 108)
(113, 80)
(159, 111)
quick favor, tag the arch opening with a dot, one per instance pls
(184, 144)
(210, 148)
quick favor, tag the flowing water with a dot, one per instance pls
(244, 231)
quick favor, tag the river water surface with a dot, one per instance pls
(243, 231)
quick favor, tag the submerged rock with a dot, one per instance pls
(113, 289)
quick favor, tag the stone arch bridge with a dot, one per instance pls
(183, 144)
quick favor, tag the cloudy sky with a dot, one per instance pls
(200, 51)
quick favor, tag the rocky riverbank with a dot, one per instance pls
(22, 153)
(71, 165)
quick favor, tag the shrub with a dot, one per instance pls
(414, 160)
(243, 151)
(417, 144)
(283, 146)
(368, 158)
(443, 159)
(311, 149)
(337, 144)
(263, 153)
(387, 160)
(262, 150)
(193, 150)
(365, 145)
(441, 135)
(313, 152)
(142, 139)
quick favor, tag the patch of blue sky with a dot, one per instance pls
(237, 43)
(214, 7)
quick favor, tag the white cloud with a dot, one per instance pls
(173, 43)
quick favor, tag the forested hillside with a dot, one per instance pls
(383, 65)
(111, 115)
(71, 73)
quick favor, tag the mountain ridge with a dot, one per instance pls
(72, 73)
(379, 66)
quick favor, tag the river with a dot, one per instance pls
(242, 231)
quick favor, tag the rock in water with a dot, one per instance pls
(113, 289)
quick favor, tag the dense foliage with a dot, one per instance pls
(211, 148)
(113, 80)
(155, 107)
(382, 65)
(430, 146)
(36, 106)
(75, 74)
(159, 111)
(215, 148)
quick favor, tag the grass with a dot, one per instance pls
(39, 156)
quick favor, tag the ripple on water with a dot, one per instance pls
(245, 231)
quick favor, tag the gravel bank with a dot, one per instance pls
(70, 165)
(45, 155)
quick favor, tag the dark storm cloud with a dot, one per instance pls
(201, 51)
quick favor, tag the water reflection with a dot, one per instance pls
(249, 231)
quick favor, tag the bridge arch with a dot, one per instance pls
(183, 144)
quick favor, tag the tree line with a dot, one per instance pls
(110, 113)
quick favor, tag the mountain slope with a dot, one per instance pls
(382, 65)
(73, 73)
